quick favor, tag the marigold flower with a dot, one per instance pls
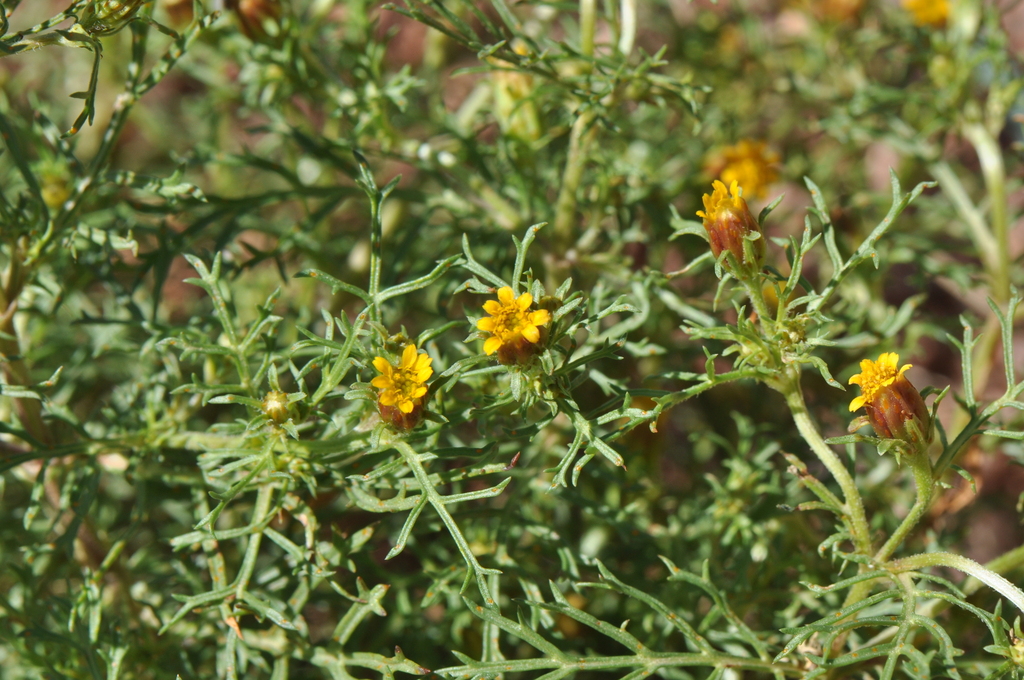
(728, 221)
(889, 399)
(515, 331)
(402, 387)
(749, 162)
(928, 12)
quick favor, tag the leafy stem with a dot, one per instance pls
(966, 565)
(853, 506)
(413, 460)
(921, 467)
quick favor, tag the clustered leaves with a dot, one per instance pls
(316, 314)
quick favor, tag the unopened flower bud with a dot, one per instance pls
(105, 17)
(513, 107)
(895, 409)
(729, 223)
(275, 406)
(259, 20)
(179, 12)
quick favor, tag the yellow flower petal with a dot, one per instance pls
(405, 406)
(531, 333)
(408, 356)
(540, 317)
(506, 296)
(382, 365)
(524, 301)
(388, 397)
(492, 344)
(418, 392)
(874, 376)
(381, 381)
(493, 307)
(486, 323)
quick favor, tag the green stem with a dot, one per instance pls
(412, 459)
(588, 21)
(263, 498)
(30, 411)
(1006, 562)
(583, 133)
(756, 296)
(921, 466)
(994, 172)
(968, 566)
(627, 26)
(649, 661)
(376, 238)
(854, 505)
(977, 228)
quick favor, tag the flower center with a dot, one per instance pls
(509, 321)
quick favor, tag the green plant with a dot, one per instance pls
(345, 340)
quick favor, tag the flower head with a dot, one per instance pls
(514, 329)
(749, 162)
(728, 221)
(402, 387)
(928, 12)
(889, 399)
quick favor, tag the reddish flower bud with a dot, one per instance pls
(728, 221)
(891, 402)
(259, 19)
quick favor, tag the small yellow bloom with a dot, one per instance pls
(511, 325)
(928, 12)
(728, 221)
(889, 399)
(750, 163)
(403, 385)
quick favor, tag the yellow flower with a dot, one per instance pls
(403, 385)
(889, 399)
(750, 163)
(513, 328)
(728, 221)
(928, 12)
